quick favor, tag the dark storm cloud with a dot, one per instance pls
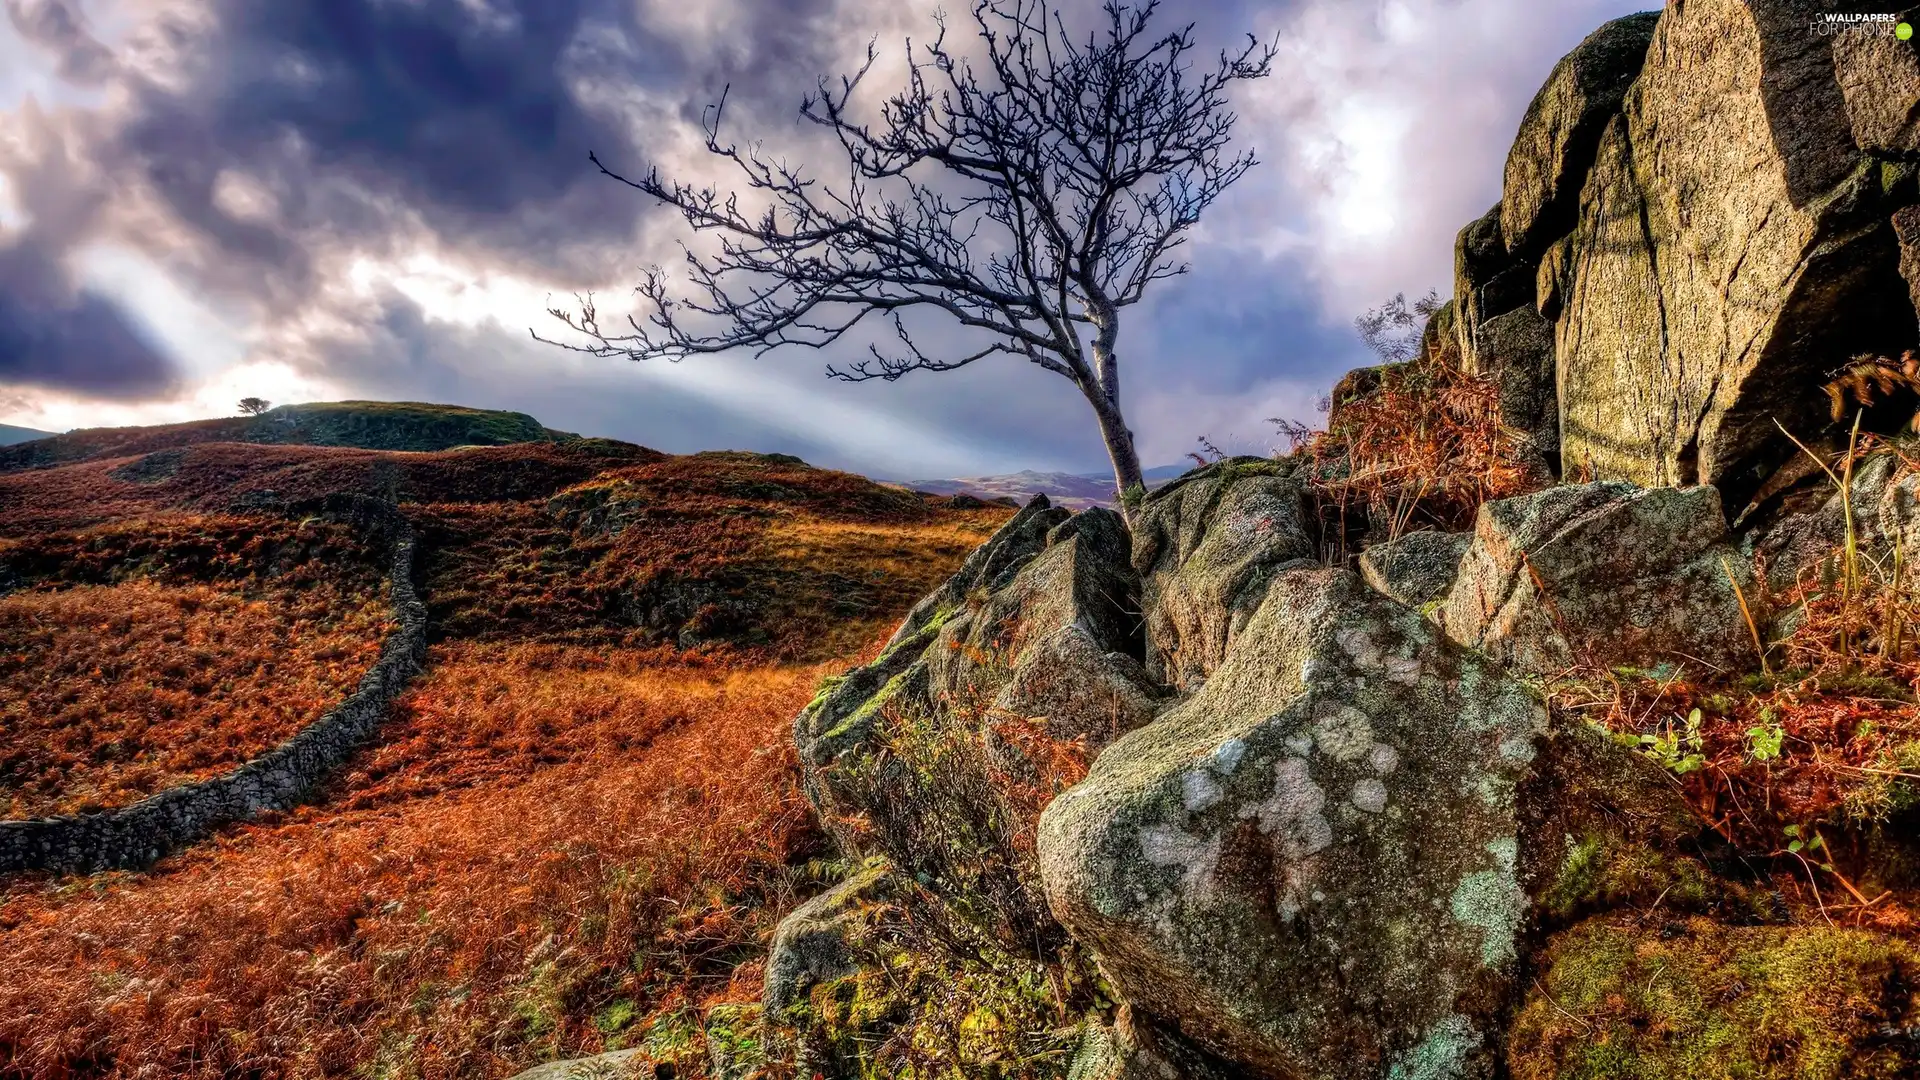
(71, 341)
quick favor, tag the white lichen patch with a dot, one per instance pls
(1369, 795)
(1403, 670)
(1199, 790)
(1294, 815)
(1227, 757)
(1441, 1055)
(1492, 902)
(1173, 848)
(1383, 758)
(1343, 732)
(1358, 645)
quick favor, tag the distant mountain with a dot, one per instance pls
(366, 425)
(1076, 491)
(10, 434)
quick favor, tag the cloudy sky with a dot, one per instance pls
(321, 199)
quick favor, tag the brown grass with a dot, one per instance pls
(112, 693)
(546, 836)
(1423, 447)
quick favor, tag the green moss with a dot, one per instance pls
(868, 710)
(1626, 1002)
(1602, 871)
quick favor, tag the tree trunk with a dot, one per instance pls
(1120, 450)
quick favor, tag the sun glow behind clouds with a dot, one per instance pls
(201, 342)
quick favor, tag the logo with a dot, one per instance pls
(1836, 24)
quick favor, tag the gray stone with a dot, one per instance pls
(1603, 574)
(1515, 350)
(1128, 1050)
(615, 1065)
(1560, 134)
(1880, 77)
(1487, 283)
(1324, 863)
(1906, 226)
(814, 943)
(1206, 550)
(1418, 568)
(1732, 245)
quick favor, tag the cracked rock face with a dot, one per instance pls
(1603, 574)
(1206, 551)
(1733, 243)
(1315, 863)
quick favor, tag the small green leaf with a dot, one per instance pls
(1795, 846)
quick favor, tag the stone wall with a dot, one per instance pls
(134, 836)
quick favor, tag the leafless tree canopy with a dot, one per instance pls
(1027, 197)
(1393, 329)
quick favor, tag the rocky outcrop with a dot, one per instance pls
(1906, 226)
(815, 942)
(1207, 547)
(1560, 134)
(1326, 863)
(1733, 244)
(135, 836)
(942, 750)
(1416, 569)
(1605, 575)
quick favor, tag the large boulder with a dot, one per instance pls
(816, 942)
(1326, 863)
(1206, 548)
(940, 753)
(1416, 569)
(1604, 575)
(1515, 350)
(1560, 134)
(1733, 244)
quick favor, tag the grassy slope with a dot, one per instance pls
(579, 822)
(374, 425)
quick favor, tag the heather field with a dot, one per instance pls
(576, 832)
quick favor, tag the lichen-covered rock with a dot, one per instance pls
(1733, 244)
(1604, 574)
(1206, 548)
(1906, 226)
(1561, 133)
(940, 753)
(813, 944)
(1880, 76)
(1488, 282)
(1515, 350)
(614, 1065)
(1418, 568)
(1682, 999)
(1127, 1050)
(1019, 540)
(1324, 863)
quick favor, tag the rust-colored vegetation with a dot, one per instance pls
(578, 829)
(1410, 445)
(109, 693)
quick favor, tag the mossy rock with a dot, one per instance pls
(1695, 999)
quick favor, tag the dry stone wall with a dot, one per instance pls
(134, 836)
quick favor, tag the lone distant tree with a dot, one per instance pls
(1026, 199)
(254, 406)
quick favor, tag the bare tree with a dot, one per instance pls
(1393, 330)
(254, 406)
(1028, 200)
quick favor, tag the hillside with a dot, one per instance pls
(371, 425)
(9, 434)
(589, 790)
